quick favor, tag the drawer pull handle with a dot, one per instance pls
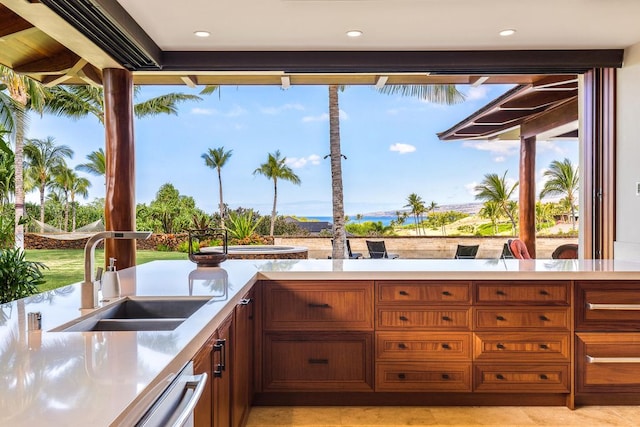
(405, 293)
(500, 346)
(501, 318)
(544, 346)
(591, 306)
(544, 318)
(319, 361)
(543, 377)
(499, 292)
(402, 346)
(543, 292)
(591, 359)
(446, 293)
(403, 318)
(220, 346)
(402, 376)
(446, 318)
(313, 305)
(446, 346)
(445, 376)
(500, 376)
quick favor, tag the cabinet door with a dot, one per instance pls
(427, 377)
(521, 318)
(428, 292)
(608, 306)
(423, 346)
(222, 373)
(202, 364)
(521, 346)
(523, 292)
(242, 388)
(510, 378)
(433, 318)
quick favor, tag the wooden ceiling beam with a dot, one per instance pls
(536, 99)
(91, 75)
(50, 81)
(58, 63)
(554, 81)
(551, 119)
(191, 81)
(503, 116)
(11, 23)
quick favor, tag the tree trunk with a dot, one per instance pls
(339, 234)
(19, 183)
(42, 188)
(73, 214)
(221, 202)
(273, 211)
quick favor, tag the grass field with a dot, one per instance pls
(66, 266)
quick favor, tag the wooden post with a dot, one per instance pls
(527, 211)
(119, 206)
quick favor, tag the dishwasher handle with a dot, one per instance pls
(194, 388)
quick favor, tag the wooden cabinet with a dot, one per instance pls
(522, 378)
(518, 346)
(203, 414)
(607, 306)
(423, 346)
(242, 359)
(317, 336)
(426, 292)
(423, 377)
(522, 292)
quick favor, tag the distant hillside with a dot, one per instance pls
(468, 208)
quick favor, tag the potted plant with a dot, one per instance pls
(19, 278)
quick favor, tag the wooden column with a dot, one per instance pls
(120, 205)
(527, 213)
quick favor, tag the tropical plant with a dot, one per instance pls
(78, 186)
(7, 169)
(369, 228)
(544, 215)
(216, 158)
(96, 164)
(416, 204)
(172, 211)
(562, 179)
(494, 188)
(19, 278)
(43, 157)
(492, 211)
(242, 225)
(276, 168)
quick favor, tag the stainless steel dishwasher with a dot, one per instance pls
(175, 406)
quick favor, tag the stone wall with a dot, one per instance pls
(424, 247)
(36, 241)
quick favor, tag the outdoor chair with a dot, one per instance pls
(566, 251)
(377, 249)
(352, 255)
(506, 252)
(519, 249)
(466, 251)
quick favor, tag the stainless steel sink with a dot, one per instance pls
(137, 314)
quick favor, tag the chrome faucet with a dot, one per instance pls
(89, 290)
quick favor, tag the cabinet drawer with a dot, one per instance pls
(524, 318)
(608, 362)
(425, 346)
(322, 362)
(538, 292)
(521, 378)
(608, 306)
(424, 291)
(427, 377)
(318, 306)
(424, 318)
(515, 347)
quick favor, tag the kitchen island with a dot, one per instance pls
(111, 378)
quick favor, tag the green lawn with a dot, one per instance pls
(66, 266)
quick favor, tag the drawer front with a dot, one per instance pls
(538, 292)
(424, 346)
(318, 306)
(324, 362)
(427, 377)
(608, 306)
(424, 292)
(529, 318)
(521, 378)
(515, 347)
(418, 318)
(608, 362)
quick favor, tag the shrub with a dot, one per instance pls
(19, 278)
(163, 248)
(184, 247)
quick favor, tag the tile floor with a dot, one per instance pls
(592, 416)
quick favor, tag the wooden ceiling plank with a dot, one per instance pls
(551, 119)
(51, 81)
(11, 23)
(536, 99)
(60, 62)
(91, 75)
(555, 80)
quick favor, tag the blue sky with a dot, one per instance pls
(390, 142)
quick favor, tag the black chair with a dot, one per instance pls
(377, 249)
(506, 251)
(466, 252)
(352, 255)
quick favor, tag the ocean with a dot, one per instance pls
(386, 220)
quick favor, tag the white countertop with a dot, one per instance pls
(93, 378)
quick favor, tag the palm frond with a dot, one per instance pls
(163, 104)
(439, 94)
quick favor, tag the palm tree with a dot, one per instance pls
(441, 94)
(492, 211)
(562, 180)
(216, 158)
(96, 164)
(24, 93)
(276, 168)
(43, 157)
(77, 186)
(416, 204)
(62, 181)
(494, 189)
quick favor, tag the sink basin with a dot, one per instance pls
(137, 314)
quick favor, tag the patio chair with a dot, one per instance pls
(377, 249)
(506, 251)
(466, 251)
(519, 249)
(566, 251)
(352, 255)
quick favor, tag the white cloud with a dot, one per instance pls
(324, 117)
(204, 111)
(300, 162)
(281, 108)
(553, 146)
(499, 148)
(402, 148)
(236, 111)
(500, 159)
(476, 93)
(471, 188)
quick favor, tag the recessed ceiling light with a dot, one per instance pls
(201, 33)
(354, 33)
(508, 32)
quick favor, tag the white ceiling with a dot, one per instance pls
(388, 24)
